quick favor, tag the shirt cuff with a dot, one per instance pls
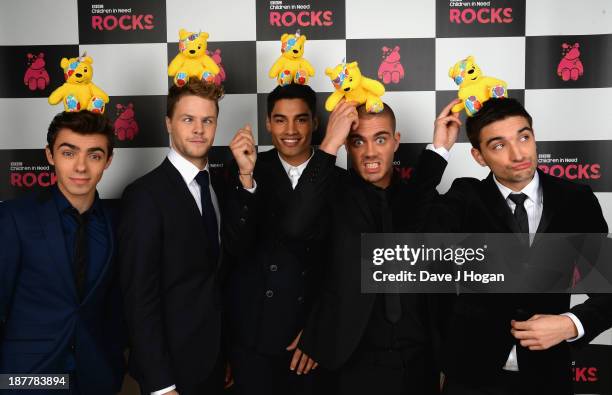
(443, 152)
(167, 389)
(252, 190)
(578, 324)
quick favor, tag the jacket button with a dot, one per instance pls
(269, 293)
(300, 299)
(303, 273)
(245, 208)
(242, 221)
(273, 268)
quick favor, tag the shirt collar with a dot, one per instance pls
(63, 204)
(300, 168)
(187, 169)
(532, 190)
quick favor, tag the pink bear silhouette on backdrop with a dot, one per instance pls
(570, 65)
(216, 56)
(36, 76)
(390, 70)
(126, 127)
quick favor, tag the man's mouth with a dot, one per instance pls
(372, 167)
(522, 166)
(79, 181)
(291, 141)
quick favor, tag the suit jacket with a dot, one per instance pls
(41, 316)
(478, 339)
(338, 322)
(273, 274)
(169, 282)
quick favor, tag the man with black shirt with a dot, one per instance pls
(60, 305)
(373, 343)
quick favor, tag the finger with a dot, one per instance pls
(309, 366)
(302, 365)
(315, 365)
(248, 135)
(296, 358)
(521, 335)
(535, 317)
(537, 348)
(449, 119)
(247, 128)
(522, 325)
(447, 110)
(530, 343)
(293, 345)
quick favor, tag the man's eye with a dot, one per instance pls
(381, 140)
(279, 120)
(67, 154)
(357, 143)
(498, 147)
(95, 156)
(524, 137)
(188, 120)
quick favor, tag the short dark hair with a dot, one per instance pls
(293, 91)
(493, 110)
(195, 87)
(82, 122)
(387, 112)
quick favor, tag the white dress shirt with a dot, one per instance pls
(188, 172)
(294, 172)
(534, 205)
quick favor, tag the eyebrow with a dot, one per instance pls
(378, 134)
(193, 116)
(495, 138)
(304, 114)
(75, 148)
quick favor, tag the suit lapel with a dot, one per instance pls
(497, 206)
(279, 181)
(550, 200)
(187, 203)
(54, 235)
(361, 200)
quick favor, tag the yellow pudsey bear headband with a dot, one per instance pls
(289, 44)
(192, 37)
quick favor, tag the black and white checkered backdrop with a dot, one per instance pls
(523, 42)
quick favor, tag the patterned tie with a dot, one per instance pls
(294, 176)
(209, 217)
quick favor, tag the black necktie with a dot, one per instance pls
(80, 251)
(393, 303)
(208, 213)
(520, 214)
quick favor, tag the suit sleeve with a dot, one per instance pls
(595, 314)
(239, 217)
(139, 257)
(10, 252)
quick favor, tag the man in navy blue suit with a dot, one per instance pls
(59, 295)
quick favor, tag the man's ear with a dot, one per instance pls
(315, 123)
(168, 125)
(268, 124)
(49, 155)
(397, 137)
(478, 157)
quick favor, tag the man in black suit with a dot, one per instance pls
(515, 344)
(169, 251)
(273, 277)
(372, 343)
